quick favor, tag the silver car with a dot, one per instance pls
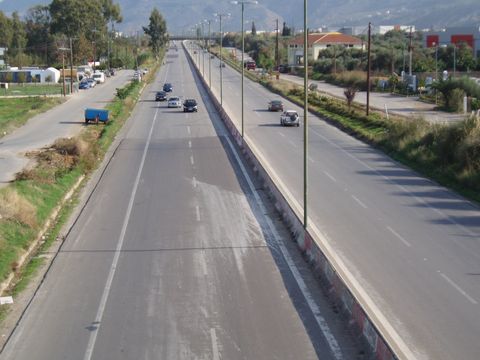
(290, 118)
(174, 102)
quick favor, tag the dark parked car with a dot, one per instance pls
(84, 85)
(161, 96)
(275, 105)
(167, 87)
(190, 105)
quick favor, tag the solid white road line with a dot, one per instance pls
(359, 202)
(401, 238)
(322, 324)
(213, 336)
(458, 288)
(113, 267)
(197, 212)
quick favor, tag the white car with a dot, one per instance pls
(174, 102)
(290, 118)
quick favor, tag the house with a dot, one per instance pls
(2, 56)
(318, 42)
(28, 75)
(454, 36)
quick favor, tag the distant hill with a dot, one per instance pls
(182, 14)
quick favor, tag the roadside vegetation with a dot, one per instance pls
(27, 203)
(15, 112)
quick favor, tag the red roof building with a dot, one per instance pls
(318, 42)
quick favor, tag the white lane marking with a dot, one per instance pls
(359, 202)
(192, 161)
(188, 130)
(401, 187)
(282, 135)
(322, 324)
(256, 113)
(401, 238)
(106, 291)
(213, 335)
(458, 288)
(189, 144)
(330, 176)
(311, 159)
(197, 212)
(194, 182)
(292, 143)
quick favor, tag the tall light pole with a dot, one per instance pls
(242, 3)
(202, 41)
(220, 16)
(209, 55)
(305, 116)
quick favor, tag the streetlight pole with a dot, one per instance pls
(305, 116)
(209, 56)
(220, 16)
(436, 71)
(242, 3)
(203, 50)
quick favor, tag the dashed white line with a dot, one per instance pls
(282, 135)
(188, 130)
(194, 180)
(311, 159)
(213, 335)
(401, 238)
(292, 143)
(189, 144)
(192, 160)
(359, 202)
(458, 288)
(197, 212)
(330, 176)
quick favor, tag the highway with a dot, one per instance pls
(413, 246)
(177, 255)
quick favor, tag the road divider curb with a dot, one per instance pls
(341, 285)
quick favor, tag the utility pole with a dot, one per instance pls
(305, 117)
(63, 49)
(369, 65)
(209, 56)
(410, 53)
(277, 60)
(71, 67)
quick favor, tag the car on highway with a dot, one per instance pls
(290, 118)
(250, 65)
(174, 102)
(222, 64)
(167, 87)
(190, 105)
(275, 105)
(160, 96)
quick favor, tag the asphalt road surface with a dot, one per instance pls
(175, 256)
(414, 246)
(64, 120)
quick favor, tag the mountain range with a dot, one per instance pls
(181, 15)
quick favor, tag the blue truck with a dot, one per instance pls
(96, 115)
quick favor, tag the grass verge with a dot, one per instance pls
(15, 112)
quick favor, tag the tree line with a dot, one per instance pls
(46, 30)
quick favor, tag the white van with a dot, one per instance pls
(99, 77)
